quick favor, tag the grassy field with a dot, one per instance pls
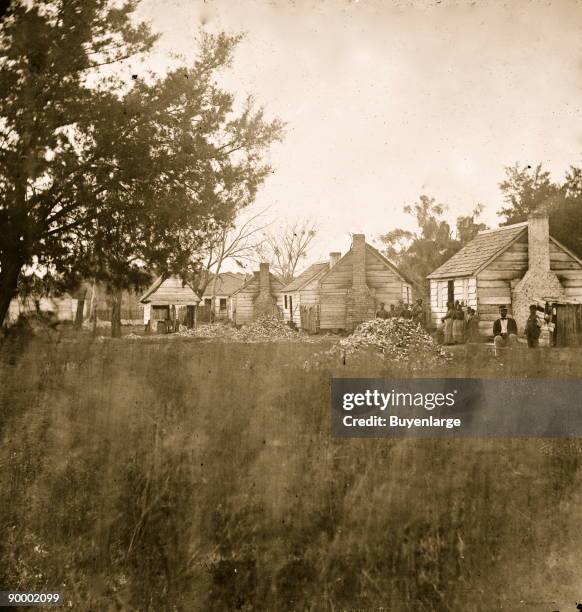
(157, 475)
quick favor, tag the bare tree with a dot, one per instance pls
(238, 243)
(286, 248)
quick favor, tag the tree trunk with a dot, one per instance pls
(8, 284)
(79, 314)
(116, 315)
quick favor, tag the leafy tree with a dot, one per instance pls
(50, 52)
(186, 165)
(130, 178)
(418, 253)
(527, 189)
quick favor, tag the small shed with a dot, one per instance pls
(301, 296)
(167, 303)
(222, 286)
(262, 294)
(350, 292)
(512, 266)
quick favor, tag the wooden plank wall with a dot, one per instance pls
(383, 283)
(333, 294)
(465, 290)
(495, 283)
(307, 296)
(568, 270)
(243, 301)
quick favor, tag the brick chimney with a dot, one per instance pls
(334, 257)
(539, 281)
(360, 303)
(264, 302)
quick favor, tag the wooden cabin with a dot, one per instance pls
(261, 295)
(351, 291)
(168, 303)
(514, 265)
(301, 296)
(222, 286)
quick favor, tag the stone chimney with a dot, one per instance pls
(264, 302)
(334, 258)
(539, 281)
(360, 303)
(359, 260)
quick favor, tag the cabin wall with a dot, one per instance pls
(465, 291)
(385, 285)
(308, 295)
(568, 271)
(243, 307)
(496, 281)
(334, 291)
(243, 302)
(333, 294)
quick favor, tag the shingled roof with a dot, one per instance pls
(485, 246)
(306, 276)
(226, 284)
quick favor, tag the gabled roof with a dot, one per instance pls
(389, 264)
(255, 277)
(306, 276)
(175, 292)
(226, 284)
(152, 288)
(487, 245)
(370, 249)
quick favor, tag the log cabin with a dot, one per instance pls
(168, 302)
(261, 295)
(513, 265)
(301, 296)
(350, 292)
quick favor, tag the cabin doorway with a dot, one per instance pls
(451, 292)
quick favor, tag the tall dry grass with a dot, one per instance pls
(184, 476)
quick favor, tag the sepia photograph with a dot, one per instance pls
(291, 305)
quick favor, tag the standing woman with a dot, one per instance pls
(458, 324)
(448, 324)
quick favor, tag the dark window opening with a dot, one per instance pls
(222, 304)
(285, 301)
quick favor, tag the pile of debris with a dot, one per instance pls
(207, 330)
(267, 329)
(263, 329)
(399, 341)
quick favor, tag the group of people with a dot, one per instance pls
(402, 310)
(459, 325)
(505, 329)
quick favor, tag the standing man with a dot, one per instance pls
(418, 312)
(382, 313)
(504, 330)
(533, 327)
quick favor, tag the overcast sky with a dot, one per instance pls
(385, 101)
